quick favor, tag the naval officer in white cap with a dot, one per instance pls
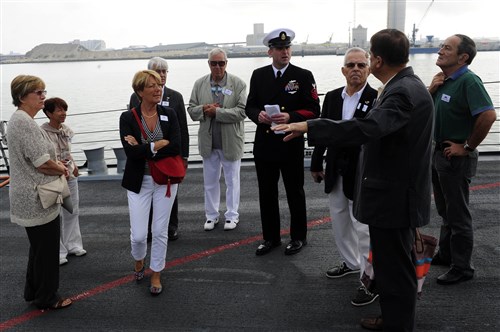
(292, 91)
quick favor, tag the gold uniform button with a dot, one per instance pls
(282, 108)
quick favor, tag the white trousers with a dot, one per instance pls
(212, 167)
(351, 237)
(71, 238)
(139, 206)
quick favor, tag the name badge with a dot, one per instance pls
(365, 107)
(445, 98)
(163, 118)
(165, 103)
(227, 92)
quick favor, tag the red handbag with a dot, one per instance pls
(168, 170)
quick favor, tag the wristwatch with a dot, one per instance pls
(467, 147)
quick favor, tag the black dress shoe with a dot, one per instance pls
(172, 236)
(454, 276)
(437, 260)
(266, 247)
(372, 323)
(294, 247)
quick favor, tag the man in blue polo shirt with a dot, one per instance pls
(464, 116)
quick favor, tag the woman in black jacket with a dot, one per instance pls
(162, 140)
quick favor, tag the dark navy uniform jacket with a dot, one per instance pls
(295, 92)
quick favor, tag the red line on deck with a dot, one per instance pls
(176, 262)
(485, 186)
(129, 278)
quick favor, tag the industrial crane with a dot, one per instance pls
(415, 29)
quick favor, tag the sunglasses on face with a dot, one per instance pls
(217, 63)
(360, 65)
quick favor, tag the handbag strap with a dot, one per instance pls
(139, 123)
(419, 242)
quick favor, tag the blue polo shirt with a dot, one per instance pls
(457, 103)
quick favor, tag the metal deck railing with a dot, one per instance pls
(109, 139)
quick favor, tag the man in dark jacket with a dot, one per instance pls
(173, 99)
(393, 188)
(289, 92)
(352, 238)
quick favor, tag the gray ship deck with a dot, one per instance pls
(214, 281)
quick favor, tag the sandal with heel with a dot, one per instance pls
(139, 275)
(61, 304)
(155, 288)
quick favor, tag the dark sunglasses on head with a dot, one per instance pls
(361, 65)
(219, 63)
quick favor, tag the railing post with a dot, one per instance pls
(121, 159)
(95, 161)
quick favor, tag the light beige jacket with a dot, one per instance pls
(61, 139)
(230, 116)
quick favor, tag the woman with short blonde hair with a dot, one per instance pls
(162, 140)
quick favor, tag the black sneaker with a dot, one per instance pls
(363, 297)
(172, 236)
(340, 271)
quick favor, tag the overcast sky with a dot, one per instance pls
(121, 23)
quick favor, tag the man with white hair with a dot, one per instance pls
(218, 103)
(352, 238)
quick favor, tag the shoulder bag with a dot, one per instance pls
(424, 247)
(55, 192)
(168, 170)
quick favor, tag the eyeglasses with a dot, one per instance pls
(40, 92)
(219, 63)
(360, 65)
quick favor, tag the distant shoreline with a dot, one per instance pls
(96, 56)
(27, 60)
(50, 59)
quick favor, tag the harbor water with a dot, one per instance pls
(103, 88)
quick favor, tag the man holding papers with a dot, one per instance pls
(281, 93)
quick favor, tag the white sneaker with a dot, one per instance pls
(230, 224)
(210, 224)
(78, 252)
(63, 260)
